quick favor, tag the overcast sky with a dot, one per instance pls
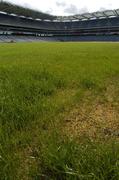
(68, 7)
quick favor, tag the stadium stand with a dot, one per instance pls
(18, 24)
(20, 38)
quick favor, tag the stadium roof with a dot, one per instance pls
(16, 10)
(89, 16)
(10, 8)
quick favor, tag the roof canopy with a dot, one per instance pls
(89, 16)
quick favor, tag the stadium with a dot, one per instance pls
(20, 24)
(59, 91)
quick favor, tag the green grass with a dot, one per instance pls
(39, 84)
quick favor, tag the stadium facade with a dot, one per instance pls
(97, 26)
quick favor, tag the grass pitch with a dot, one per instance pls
(59, 111)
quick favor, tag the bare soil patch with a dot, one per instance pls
(94, 121)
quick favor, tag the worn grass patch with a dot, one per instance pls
(94, 121)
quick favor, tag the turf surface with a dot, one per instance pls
(59, 111)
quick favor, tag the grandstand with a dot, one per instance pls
(21, 24)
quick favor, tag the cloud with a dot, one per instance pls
(72, 9)
(49, 11)
(26, 5)
(60, 4)
(102, 9)
(83, 10)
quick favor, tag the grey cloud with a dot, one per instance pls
(72, 9)
(102, 9)
(49, 11)
(27, 5)
(83, 10)
(61, 4)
